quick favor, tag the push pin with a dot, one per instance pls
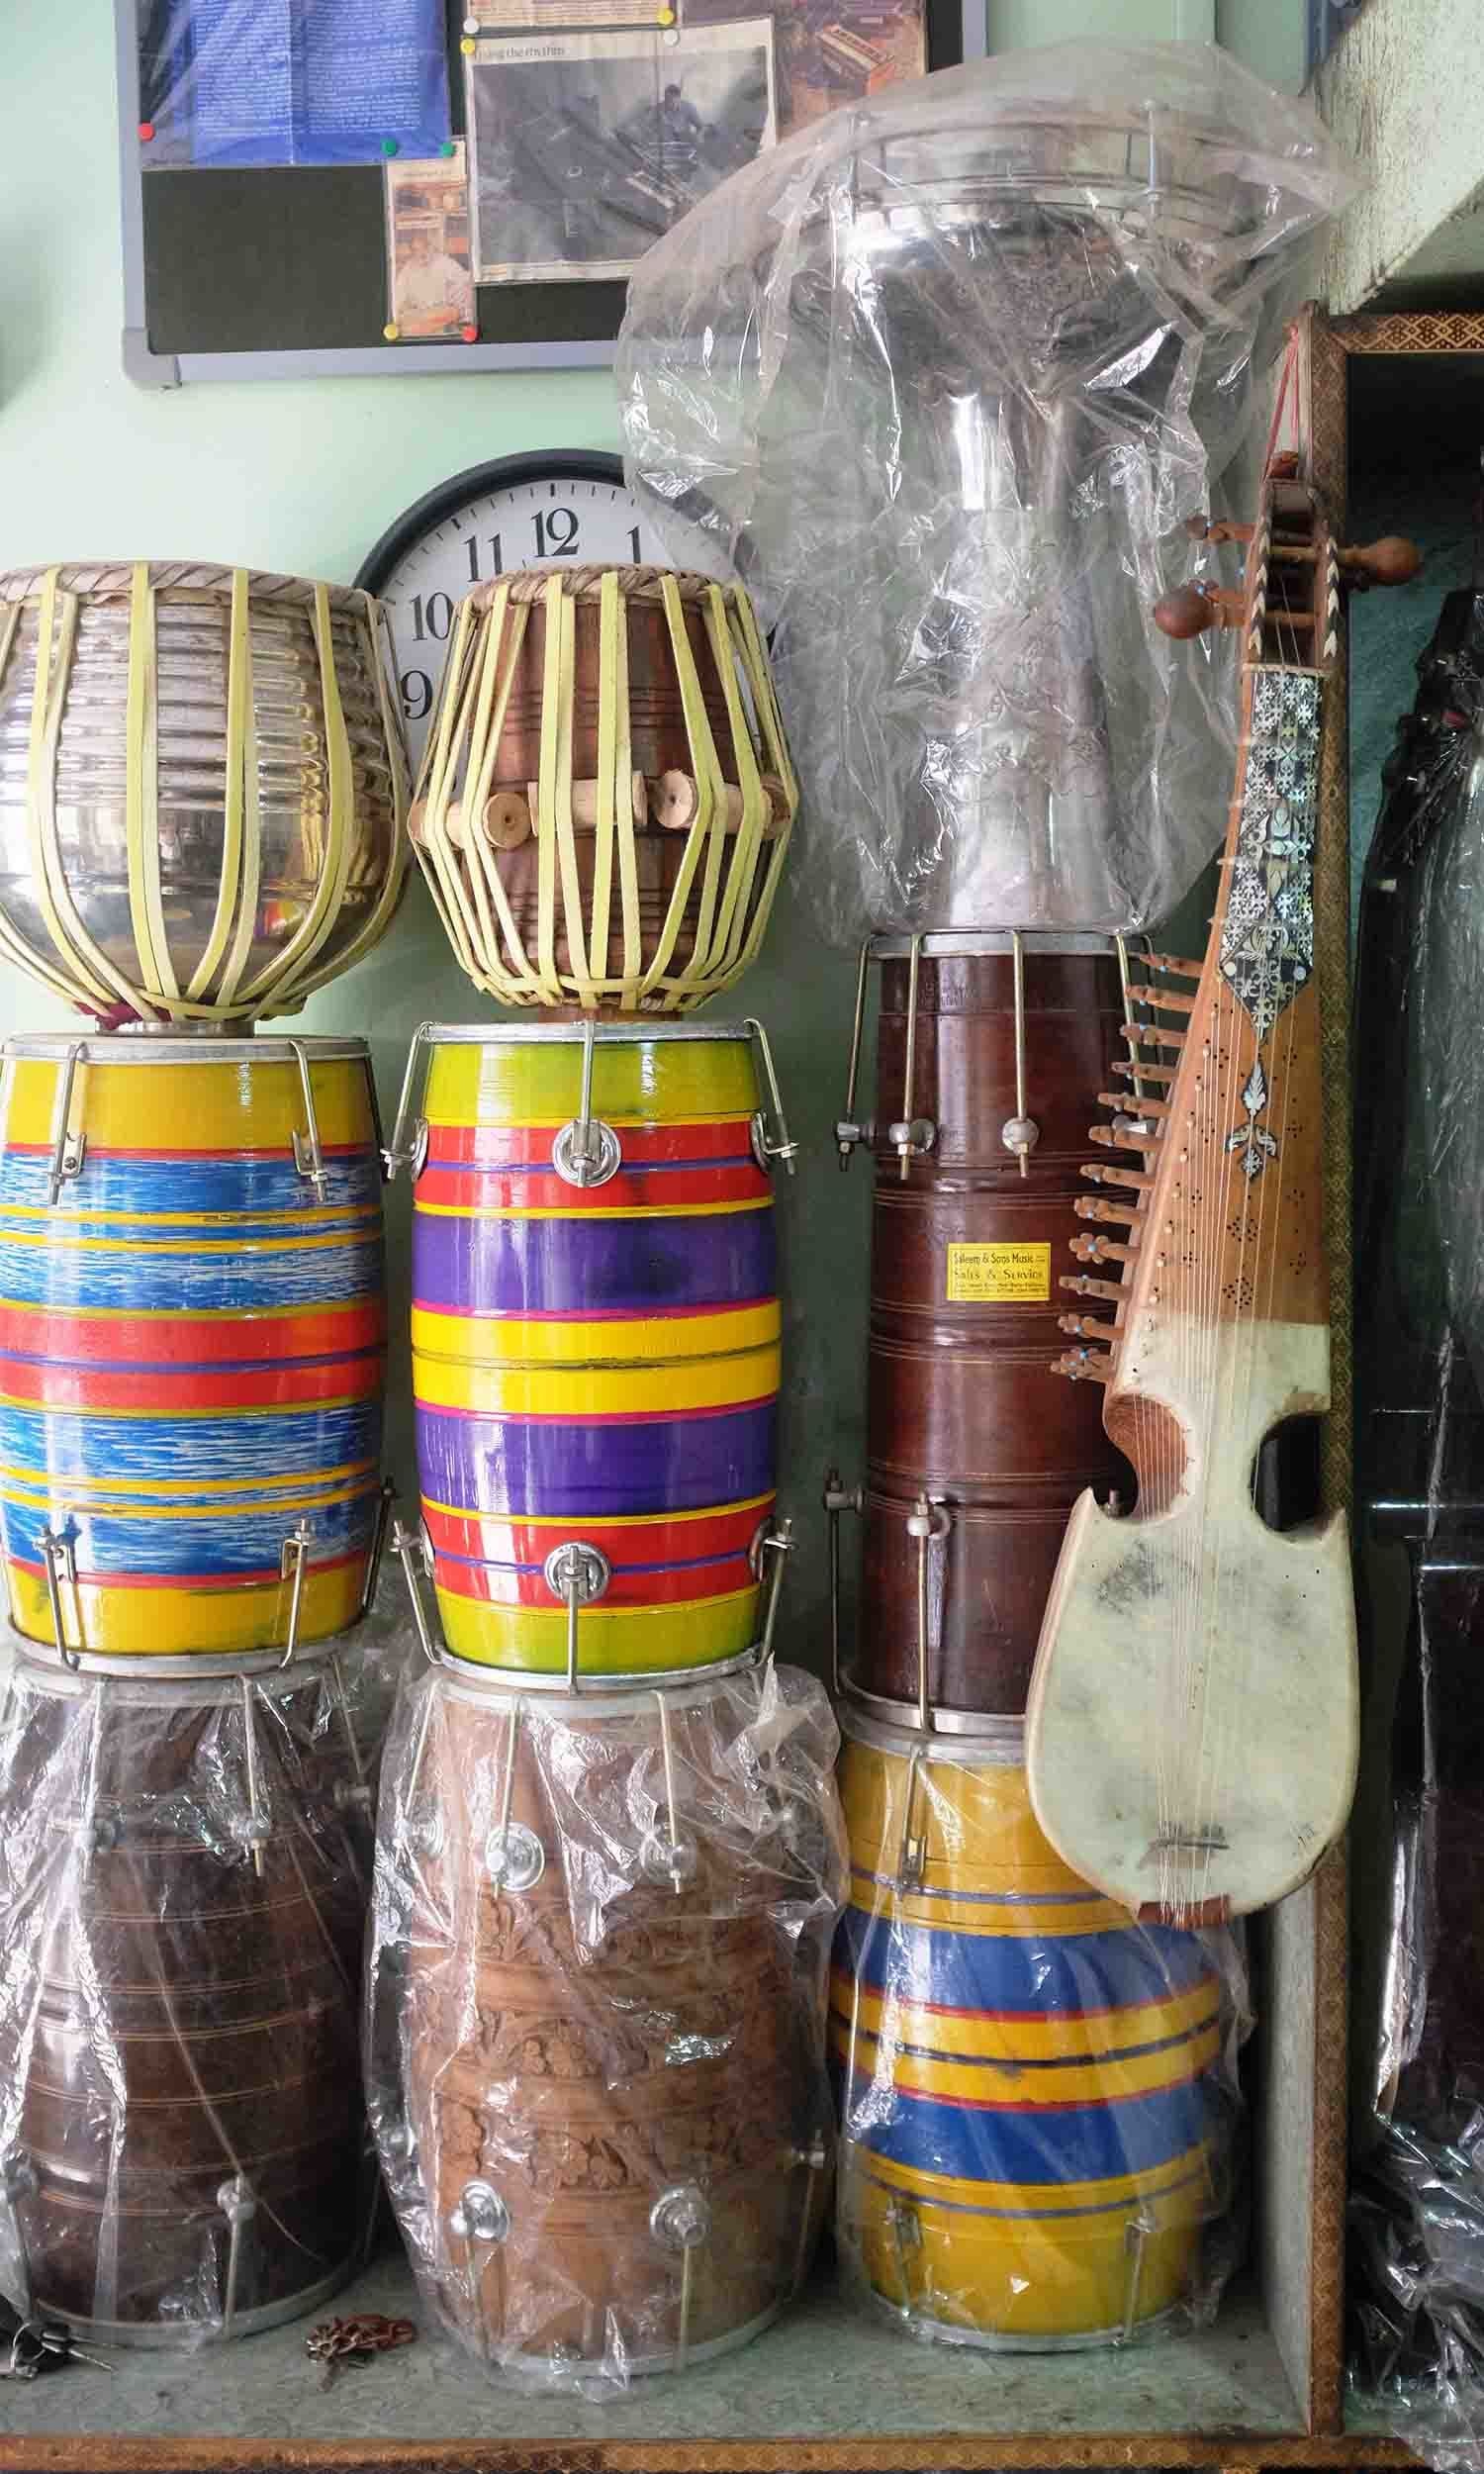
(447, 148)
(147, 132)
(390, 330)
(389, 145)
(470, 332)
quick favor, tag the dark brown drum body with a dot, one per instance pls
(965, 1259)
(180, 2118)
(603, 2046)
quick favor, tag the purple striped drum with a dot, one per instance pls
(595, 1343)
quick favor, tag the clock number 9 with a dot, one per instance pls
(416, 694)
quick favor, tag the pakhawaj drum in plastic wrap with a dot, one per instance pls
(192, 1341)
(595, 2064)
(596, 1339)
(989, 1049)
(606, 794)
(183, 1864)
(1038, 2095)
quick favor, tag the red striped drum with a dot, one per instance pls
(596, 1342)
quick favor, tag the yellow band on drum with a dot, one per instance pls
(1054, 2036)
(233, 1620)
(1180, 2191)
(1003, 2079)
(643, 1340)
(637, 1081)
(577, 1393)
(217, 1104)
(613, 1641)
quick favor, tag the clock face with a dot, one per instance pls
(520, 512)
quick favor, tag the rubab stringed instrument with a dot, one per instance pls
(1193, 1711)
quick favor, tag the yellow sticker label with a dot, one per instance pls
(1000, 1275)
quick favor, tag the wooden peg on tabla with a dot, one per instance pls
(585, 801)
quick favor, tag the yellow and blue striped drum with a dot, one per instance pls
(192, 1340)
(1031, 2117)
(596, 1365)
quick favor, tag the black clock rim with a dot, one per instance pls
(502, 472)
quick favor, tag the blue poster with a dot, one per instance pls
(244, 82)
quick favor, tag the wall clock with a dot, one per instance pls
(564, 503)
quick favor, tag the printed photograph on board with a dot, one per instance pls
(429, 276)
(493, 16)
(586, 147)
(830, 51)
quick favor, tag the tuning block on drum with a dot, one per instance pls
(1139, 1117)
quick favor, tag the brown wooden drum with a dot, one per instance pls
(597, 2071)
(976, 1452)
(606, 794)
(182, 2148)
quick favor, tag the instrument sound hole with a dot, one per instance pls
(1286, 1485)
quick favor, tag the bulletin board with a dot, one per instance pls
(284, 220)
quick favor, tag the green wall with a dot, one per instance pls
(304, 477)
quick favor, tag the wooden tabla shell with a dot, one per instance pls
(588, 694)
(179, 2088)
(561, 2069)
(962, 1404)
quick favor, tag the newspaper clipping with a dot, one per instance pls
(587, 146)
(429, 277)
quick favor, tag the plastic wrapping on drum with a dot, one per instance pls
(1040, 2113)
(944, 377)
(183, 1874)
(595, 2018)
(1417, 2216)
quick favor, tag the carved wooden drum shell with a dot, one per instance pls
(965, 1259)
(181, 2062)
(602, 2061)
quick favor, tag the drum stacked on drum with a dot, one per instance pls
(609, 1856)
(202, 805)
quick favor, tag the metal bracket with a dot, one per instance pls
(848, 1130)
(1136, 2232)
(587, 1152)
(60, 1564)
(680, 2221)
(409, 1145)
(258, 1827)
(68, 1148)
(1019, 1133)
(384, 1509)
(928, 1522)
(905, 2228)
(479, 2216)
(405, 1544)
(780, 1145)
(777, 1542)
(811, 2161)
(911, 1135)
(838, 1498)
(309, 1156)
(579, 1573)
(669, 1858)
(293, 1562)
(238, 2207)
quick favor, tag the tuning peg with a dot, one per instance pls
(1201, 528)
(1392, 560)
(1197, 607)
(1082, 1366)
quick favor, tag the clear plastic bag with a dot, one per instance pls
(1041, 2118)
(944, 377)
(595, 2048)
(1417, 2219)
(183, 1870)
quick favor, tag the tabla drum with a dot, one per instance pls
(991, 1051)
(606, 794)
(596, 2070)
(203, 787)
(596, 1339)
(192, 1341)
(183, 1861)
(1031, 2109)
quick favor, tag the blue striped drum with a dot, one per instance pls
(192, 1340)
(1032, 2115)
